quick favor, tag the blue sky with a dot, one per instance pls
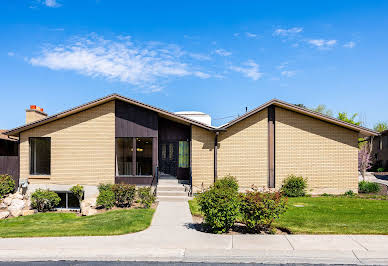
(212, 56)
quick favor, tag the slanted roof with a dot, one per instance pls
(164, 113)
(363, 131)
(3, 136)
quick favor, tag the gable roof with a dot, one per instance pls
(5, 137)
(362, 130)
(164, 113)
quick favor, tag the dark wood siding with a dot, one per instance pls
(173, 132)
(134, 121)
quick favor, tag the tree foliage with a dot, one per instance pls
(349, 119)
(380, 127)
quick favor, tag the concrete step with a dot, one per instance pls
(172, 193)
(168, 182)
(172, 198)
(171, 188)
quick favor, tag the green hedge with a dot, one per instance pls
(368, 187)
(44, 200)
(7, 185)
(294, 186)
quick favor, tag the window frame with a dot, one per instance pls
(134, 161)
(30, 157)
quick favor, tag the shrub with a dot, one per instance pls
(349, 193)
(294, 186)
(44, 200)
(380, 169)
(260, 209)
(7, 185)
(368, 187)
(106, 197)
(145, 196)
(220, 208)
(227, 182)
(124, 194)
(78, 191)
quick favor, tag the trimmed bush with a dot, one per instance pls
(124, 194)
(220, 208)
(227, 182)
(368, 187)
(106, 197)
(294, 186)
(145, 196)
(350, 193)
(78, 191)
(380, 169)
(260, 209)
(7, 185)
(44, 200)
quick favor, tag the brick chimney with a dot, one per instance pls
(35, 113)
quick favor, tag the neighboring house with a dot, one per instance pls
(9, 159)
(118, 140)
(380, 150)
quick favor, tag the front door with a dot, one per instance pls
(168, 157)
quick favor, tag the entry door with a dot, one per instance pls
(168, 154)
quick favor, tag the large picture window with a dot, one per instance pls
(133, 156)
(40, 155)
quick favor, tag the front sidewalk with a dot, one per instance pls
(171, 238)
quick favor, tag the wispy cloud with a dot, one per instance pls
(287, 32)
(288, 73)
(322, 44)
(222, 52)
(251, 35)
(201, 57)
(249, 69)
(143, 65)
(11, 54)
(349, 44)
(282, 65)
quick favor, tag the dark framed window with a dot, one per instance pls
(134, 156)
(40, 156)
(68, 200)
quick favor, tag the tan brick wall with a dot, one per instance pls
(202, 157)
(324, 153)
(243, 151)
(82, 148)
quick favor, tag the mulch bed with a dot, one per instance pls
(237, 229)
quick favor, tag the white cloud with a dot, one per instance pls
(11, 53)
(349, 44)
(322, 44)
(251, 35)
(287, 32)
(249, 69)
(236, 34)
(288, 73)
(51, 3)
(143, 65)
(222, 52)
(282, 65)
(201, 57)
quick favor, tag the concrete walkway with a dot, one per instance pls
(171, 238)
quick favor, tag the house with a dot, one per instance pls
(9, 159)
(380, 150)
(119, 140)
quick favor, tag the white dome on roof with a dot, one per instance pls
(197, 116)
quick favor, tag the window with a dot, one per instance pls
(40, 154)
(124, 156)
(143, 156)
(68, 200)
(132, 152)
(171, 151)
(164, 151)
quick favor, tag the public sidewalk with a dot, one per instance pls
(171, 238)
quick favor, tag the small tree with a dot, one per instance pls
(380, 127)
(364, 160)
(78, 191)
(349, 119)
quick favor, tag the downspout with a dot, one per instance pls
(215, 155)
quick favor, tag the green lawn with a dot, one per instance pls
(69, 224)
(331, 215)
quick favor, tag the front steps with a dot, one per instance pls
(171, 190)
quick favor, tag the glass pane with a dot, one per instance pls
(164, 152)
(124, 156)
(183, 160)
(72, 200)
(144, 156)
(40, 149)
(62, 203)
(171, 151)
